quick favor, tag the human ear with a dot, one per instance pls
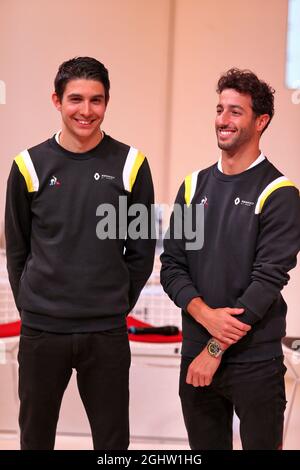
(56, 101)
(262, 121)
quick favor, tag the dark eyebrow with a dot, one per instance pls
(77, 95)
(236, 106)
(231, 106)
(74, 95)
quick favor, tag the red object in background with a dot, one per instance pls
(131, 321)
(13, 329)
(10, 329)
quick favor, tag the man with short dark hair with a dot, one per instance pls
(230, 291)
(73, 284)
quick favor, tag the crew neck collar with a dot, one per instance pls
(244, 174)
(259, 159)
(79, 155)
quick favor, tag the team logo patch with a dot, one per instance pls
(97, 177)
(242, 202)
(54, 181)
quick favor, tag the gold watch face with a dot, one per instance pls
(214, 348)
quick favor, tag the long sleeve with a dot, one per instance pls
(174, 276)
(277, 247)
(139, 251)
(17, 227)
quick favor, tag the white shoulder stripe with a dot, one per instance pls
(280, 182)
(134, 160)
(26, 168)
(31, 169)
(128, 167)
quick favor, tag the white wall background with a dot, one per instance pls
(164, 57)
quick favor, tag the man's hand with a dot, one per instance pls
(202, 369)
(219, 322)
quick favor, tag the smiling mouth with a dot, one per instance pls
(226, 132)
(84, 122)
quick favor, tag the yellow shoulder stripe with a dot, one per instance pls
(280, 182)
(190, 184)
(135, 169)
(26, 168)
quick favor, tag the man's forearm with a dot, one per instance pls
(14, 276)
(219, 322)
(197, 308)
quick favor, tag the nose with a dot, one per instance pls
(222, 119)
(85, 109)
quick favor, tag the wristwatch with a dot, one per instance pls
(213, 348)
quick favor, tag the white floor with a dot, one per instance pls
(9, 442)
(69, 442)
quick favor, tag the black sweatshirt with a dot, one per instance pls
(251, 240)
(63, 277)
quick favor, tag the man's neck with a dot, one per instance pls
(76, 145)
(235, 163)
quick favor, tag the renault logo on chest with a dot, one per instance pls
(242, 202)
(97, 177)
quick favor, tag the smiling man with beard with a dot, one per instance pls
(233, 313)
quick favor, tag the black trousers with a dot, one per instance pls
(256, 392)
(102, 362)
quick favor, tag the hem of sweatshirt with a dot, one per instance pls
(71, 325)
(255, 353)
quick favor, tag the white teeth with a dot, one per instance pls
(226, 132)
(84, 122)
